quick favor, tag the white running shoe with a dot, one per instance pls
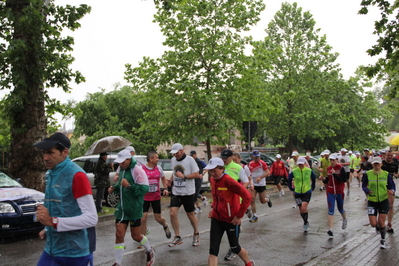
(205, 201)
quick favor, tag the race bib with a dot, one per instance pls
(370, 210)
(179, 182)
(153, 188)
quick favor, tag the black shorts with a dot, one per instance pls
(352, 170)
(133, 223)
(156, 206)
(347, 175)
(277, 179)
(299, 198)
(373, 208)
(186, 201)
(260, 189)
(198, 184)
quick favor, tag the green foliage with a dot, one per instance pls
(387, 67)
(316, 107)
(108, 114)
(198, 87)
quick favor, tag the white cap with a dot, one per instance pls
(295, 153)
(326, 152)
(122, 156)
(350, 152)
(301, 160)
(357, 153)
(333, 156)
(214, 162)
(278, 156)
(376, 160)
(344, 150)
(322, 153)
(130, 149)
(176, 147)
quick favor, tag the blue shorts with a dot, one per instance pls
(47, 260)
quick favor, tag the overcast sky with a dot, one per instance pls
(121, 31)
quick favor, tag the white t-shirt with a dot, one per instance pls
(344, 159)
(181, 186)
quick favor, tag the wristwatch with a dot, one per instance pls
(55, 222)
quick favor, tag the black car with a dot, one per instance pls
(269, 160)
(18, 208)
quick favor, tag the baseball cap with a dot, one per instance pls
(366, 149)
(226, 153)
(255, 153)
(104, 153)
(357, 153)
(344, 150)
(322, 153)
(53, 139)
(193, 152)
(301, 160)
(333, 156)
(176, 147)
(214, 162)
(295, 153)
(350, 152)
(122, 156)
(383, 151)
(130, 149)
(376, 160)
(326, 152)
(278, 156)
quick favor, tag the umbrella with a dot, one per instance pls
(395, 140)
(107, 144)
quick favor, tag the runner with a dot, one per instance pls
(304, 184)
(259, 172)
(345, 161)
(355, 166)
(324, 164)
(278, 171)
(391, 167)
(226, 211)
(153, 197)
(377, 185)
(335, 181)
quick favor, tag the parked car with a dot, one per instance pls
(88, 163)
(18, 208)
(246, 157)
(167, 170)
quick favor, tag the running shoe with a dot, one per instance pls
(249, 213)
(198, 210)
(348, 192)
(196, 240)
(305, 227)
(382, 244)
(150, 257)
(147, 232)
(205, 201)
(116, 264)
(321, 188)
(269, 203)
(330, 233)
(254, 219)
(282, 193)
(230, 255)
(250, 263)
(176, 241)
(344, 224)
(167, 232)
(390, 229)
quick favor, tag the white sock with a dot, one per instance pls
(144, 242)
(254, 214)
(119, 249)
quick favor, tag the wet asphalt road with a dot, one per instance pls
(277, 239)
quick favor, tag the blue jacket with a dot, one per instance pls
(60, 202)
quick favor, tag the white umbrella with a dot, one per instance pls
(107, 144)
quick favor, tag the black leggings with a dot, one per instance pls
(216, 234)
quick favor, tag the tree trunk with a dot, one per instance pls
(27, 113)
(208, 149)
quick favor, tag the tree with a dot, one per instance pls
(196, 89)
(33, 57)
(118, 112)
(387, 46)
(302, 75)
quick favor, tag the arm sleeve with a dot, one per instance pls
(289, 181)
(81, 185)
(87, 219)
(365, 182)
(313, 177)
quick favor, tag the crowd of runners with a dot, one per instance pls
(237, 187)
